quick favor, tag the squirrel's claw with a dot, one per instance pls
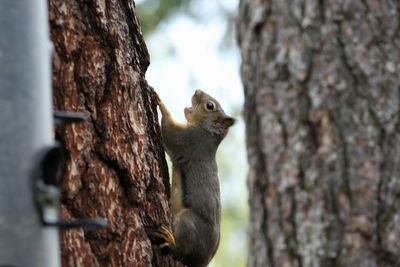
(156, 96)
(166, 235)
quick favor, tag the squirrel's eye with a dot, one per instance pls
(210, 105)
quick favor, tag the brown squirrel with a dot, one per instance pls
(195, 195)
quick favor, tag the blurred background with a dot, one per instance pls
(192, 46)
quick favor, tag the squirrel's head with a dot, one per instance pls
(207, 112)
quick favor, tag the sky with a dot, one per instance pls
(186, 55)
(196, 51)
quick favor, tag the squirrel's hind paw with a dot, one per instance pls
(166, 239)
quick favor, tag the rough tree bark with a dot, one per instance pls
(322, 111)
(115, 165)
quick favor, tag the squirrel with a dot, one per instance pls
(195, 194)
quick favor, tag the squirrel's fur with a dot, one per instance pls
(195, 197)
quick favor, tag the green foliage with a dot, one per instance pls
(152, 12)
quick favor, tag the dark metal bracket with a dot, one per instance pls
(45, 184)
(62, 117)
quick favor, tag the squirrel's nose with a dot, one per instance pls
(198, 91)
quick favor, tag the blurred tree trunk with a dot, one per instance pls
(322, 110)
(115, 167)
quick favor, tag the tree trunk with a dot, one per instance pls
(115, 166)
(322, 111)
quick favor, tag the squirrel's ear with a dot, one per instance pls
(228, 121)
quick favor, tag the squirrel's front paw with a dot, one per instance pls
(156, 96)
(167, 239)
